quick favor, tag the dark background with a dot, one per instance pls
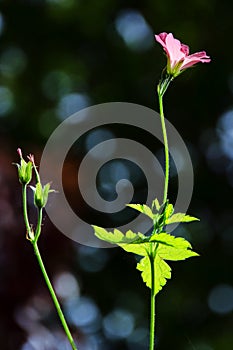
(58, 56)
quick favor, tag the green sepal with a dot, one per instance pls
(24, 171)
(41, 194)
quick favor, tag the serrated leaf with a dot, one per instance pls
(174, 254)
(139, 249)
(168, 247)
(162, 272)
(143, 208)
(117, 237)
(156, 248)
(170, 240)
(180, 217)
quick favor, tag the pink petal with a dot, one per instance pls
(195, 58)
(19, 151)
(161, 38)
(173, 48)
(31, 158)
(185, 49)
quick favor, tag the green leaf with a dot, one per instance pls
(162, 272)
(143, 209)
(130, 242)
(170, 240)
(117, 237)
(180, 217)
(174, 248)
(155, 249)
(139, 249)
(164, 247)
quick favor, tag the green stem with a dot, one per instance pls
(53, 295)
(162, 87)
(166, 149)
(152, 306)
(38, 228)
(34, 239)
(25, 211)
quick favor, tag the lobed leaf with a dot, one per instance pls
(165, 247)
(180, 217)
(117, 237)
(157, 248)
(139, 249)
(175, 254)
(162, 272)
(143, 208)
(170, 240)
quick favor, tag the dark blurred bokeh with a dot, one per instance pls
(57, 57)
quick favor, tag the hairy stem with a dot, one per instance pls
(25, 212)
(152, 256)
(33, 239)
(39, 223)
(162, 87)
(152, 306)
(53, 295)
(166, 149)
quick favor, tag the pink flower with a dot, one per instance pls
(178, 54)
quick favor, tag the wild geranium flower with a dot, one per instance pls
(178, 58)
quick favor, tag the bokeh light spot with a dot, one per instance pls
(134, 30)
(83, 313)
(72, 103)
(118, 324)
(12, 62)
(97, 136)
(56, 84)
(92, 259)
(225, 132)
(66, 285)
(6, 100)
(1, 23)
(220, 299)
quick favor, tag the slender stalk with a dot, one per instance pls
(166, 149)
(53, 295)
(162, 87)
(25, 212)
(33, 239)
(39, 223)
(152, 306)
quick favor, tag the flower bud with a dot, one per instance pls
(41, 194)
(24, 169)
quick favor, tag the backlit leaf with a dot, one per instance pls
(180, 217)
(162, 272)
(143, 209)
